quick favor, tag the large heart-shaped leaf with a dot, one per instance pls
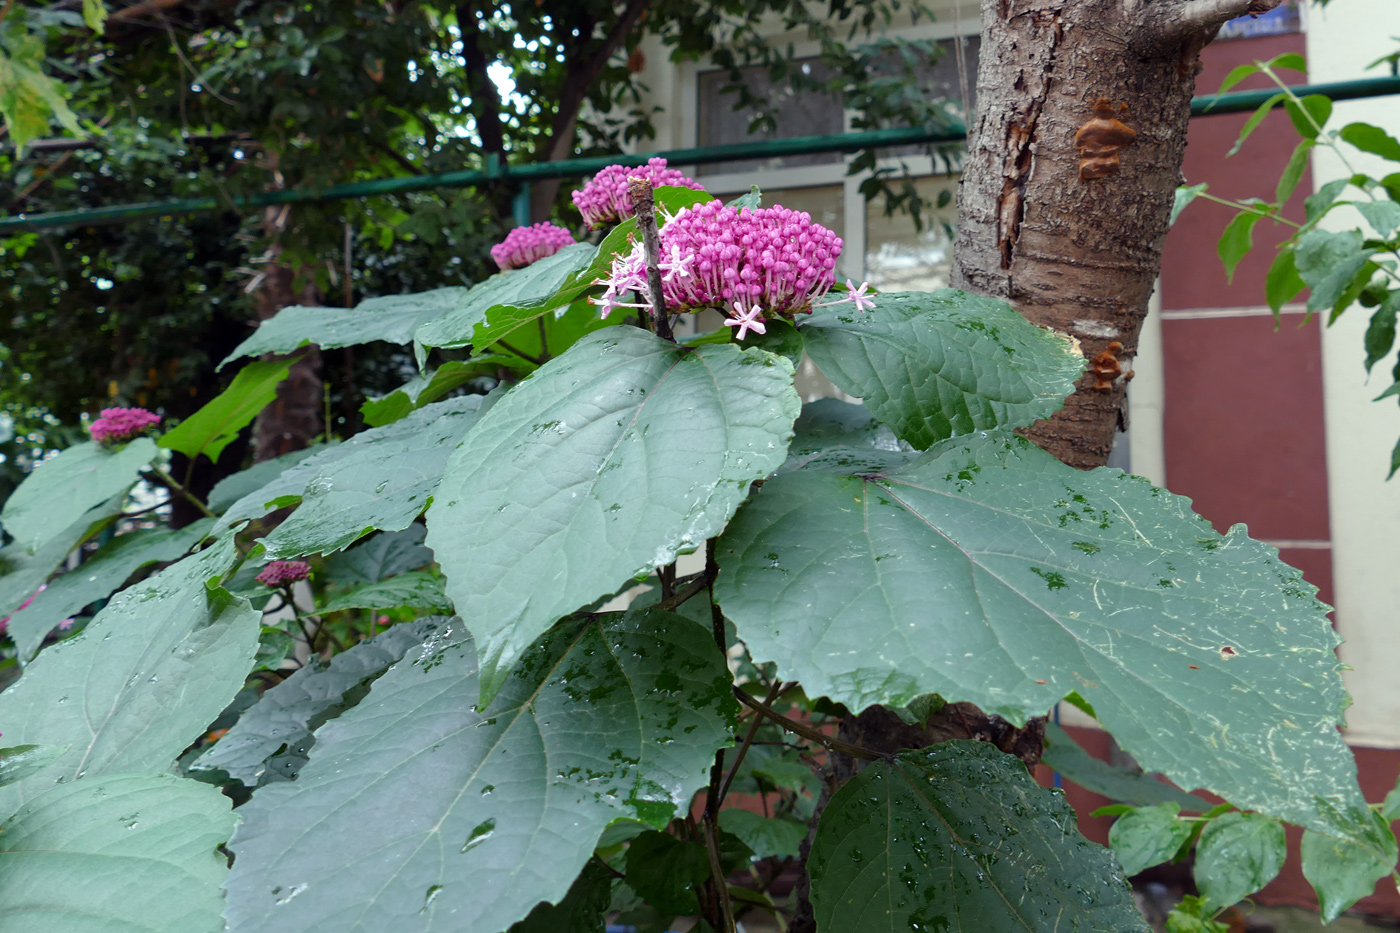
(287, 714)
(97, 577)
(990, 572)
(230, 489)
(141, 682)
(380, 557)
(418, 589)
(932, 365)
(607, 462)
(434, 385)
(212, 428)
(391, 318)
(959, 838)
(419, 813)
(382, 480)
(1064, 755)
(120, 852)
(57, 493)
(23, 573)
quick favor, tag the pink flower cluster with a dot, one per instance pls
(282, 572)
(746, 262)
(525, 245)
(117, 425)
(604, 198)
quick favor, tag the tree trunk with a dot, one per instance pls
(1070, 230)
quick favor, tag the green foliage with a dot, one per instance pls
(1342, 872)
(212, 428)
(20, 761)
(1064, 755)
(655, 471)
(958, 837)
(116, 852)
(619, 717)
(934, 366)
(1148, 835)
(61, 490)
(1238, 853)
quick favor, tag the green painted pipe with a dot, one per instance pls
(953, 132)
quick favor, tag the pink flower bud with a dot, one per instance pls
(525, 245)
(282, 572)
(118, 425)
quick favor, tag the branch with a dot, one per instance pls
(1179, 20)
(807, 732)
(580, 79)
(398, 158)
(644, 202)
(486, 102)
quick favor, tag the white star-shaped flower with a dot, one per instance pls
(746, 321)
(860, 296)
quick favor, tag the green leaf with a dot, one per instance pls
(959, 838)
(1316, 205)
(1193, 915)
(667, 872)
(780, 339)
(1394, 456)
(583, 910)
(1045, 580)
(1293, 172)
(98, 577)
(1390, 808)
(840, 437)
(20, 761)
(212, 428)
(1283, 283)
(1343, 872)
(752, 199)
(1310, 114)
(768, 838)
(418, 589)
(936, 365)
(59, 491)
(1147, 836)
(382, 479)
(1237, 240)
(1185, 194)
(1290, 60)
(115, 853)
(1383, 216)
(24, 572)
(1372, 139)
(140, 682)
(1380, 333)
(392, 319)
(618, 717)
(1236, 75)
(273, 738)
(232, 488)
(1328, 262)
(286, 487)
(95, 15)
(384, 555)
(1238, 853)
(606, 463)
(1254, 120)
(1065, 755)
(493, 308)
(449, 376)
(28, 97)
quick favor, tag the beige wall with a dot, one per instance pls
(1342, 39)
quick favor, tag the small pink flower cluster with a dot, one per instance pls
(525, 245)
(604, 199)
(117, 425)
(746, 262)
(282, 572)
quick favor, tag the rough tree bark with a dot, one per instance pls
(1080, 255)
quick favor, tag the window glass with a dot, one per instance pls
(900, 258)
(805, 113)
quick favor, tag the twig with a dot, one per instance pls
(773, 693)
(524, 356)
(169, 482)
(807, 732)
(644, 200)
(716, 869)
(693, 589)
(544, 340)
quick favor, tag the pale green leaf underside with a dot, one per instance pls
(23, 572)
(382, 478)
(1064, 755)
(391, 318)
(60, 490)
(958, 838)
(491, 812)
(989, 572)
(418, 589)
(288, 713)
(140, 683)
(379, 557)
(232, 488)
(933, 365)
(97, 577)
(120, 853)
(212, 428)
(605, 463)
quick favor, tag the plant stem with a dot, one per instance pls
(693, 589)
(544, 340)
(169, 482)
(716, 869)
(773, 693)
(807, 732)
(644, 200)
(523, 355)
